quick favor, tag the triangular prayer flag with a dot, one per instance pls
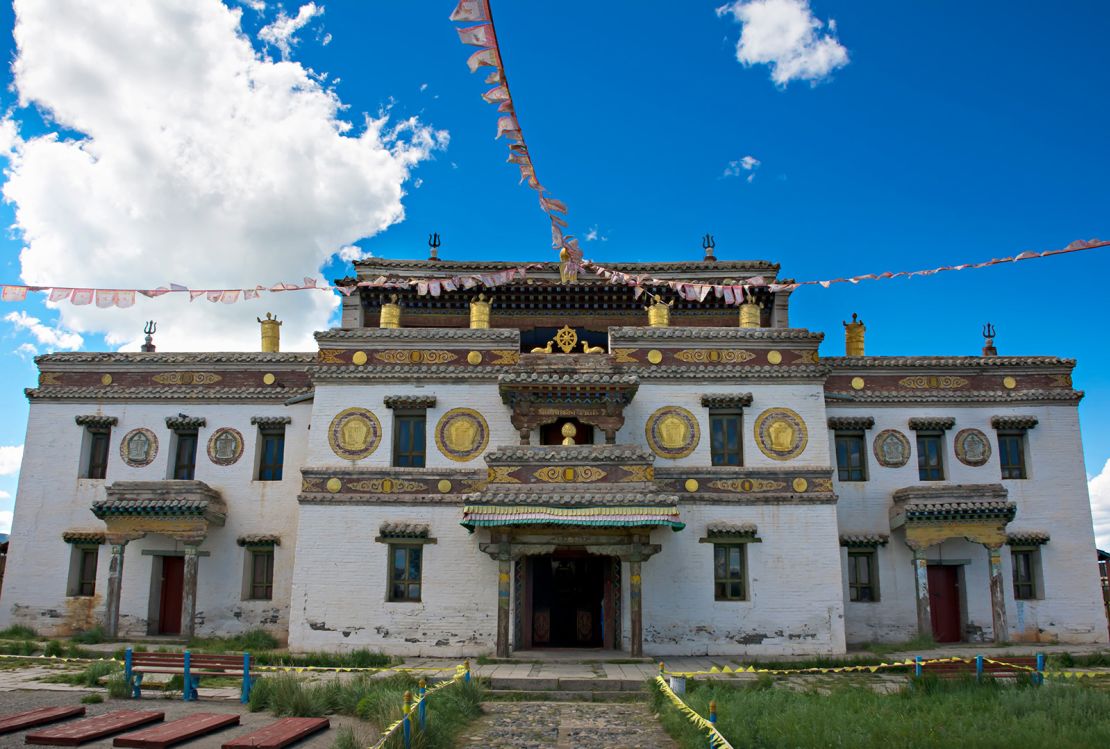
(471, 10)
(477, 36)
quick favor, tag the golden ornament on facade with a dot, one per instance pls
(655, 356)
(444, 486)
(504, 357)
(623, 356)
(933, 382)
(479, 313)
(106, 379)
(638, 473)
(972, 447)
(358, 358)
(329, 356)
(774, 357)
(415, 356)
(391, 314)
(750, 315)
(462, 434)
(691, 485)
(569, 474)
(501, 475)
(714, 356)
(354, 433)
(659, 312)
(857, 383)
(780, 433)
(334, 485)
(269, 378)
(474, 357)
(187, 378)
(747, 485)
(672, 432)
(566, 339)
(800, 485)
(1010, 383)
(386, 486)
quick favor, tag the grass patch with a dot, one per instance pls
(375, 700)
(352, 659)
(118, 688)
(18, 647)
(18, 632)
(92, 699)
(1088, 660)
(252, 641)
(89, 677)
(93, 636)
(933, 713)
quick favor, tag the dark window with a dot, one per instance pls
(724, 439)
(404, 573)
(98, 453)
(850, 457)
(185, 459)
(1025, 583)
(273, 455)
(262, 574)
(86, 571)
(930, 465)
(861, 576)
(408, 440)
(728, 572)
(1011, 454)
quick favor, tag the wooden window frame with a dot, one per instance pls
(725, 414)
(939, 467)
(724, 594)
(194, 435)
(96, 460)
(267, 471)
(1022, 465)
(81, 583)
(260, 590)
(856, 436)
(856, 587)
(415, 416)
(405, 580)
(1025, 589)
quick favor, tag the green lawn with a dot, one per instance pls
(932, 714)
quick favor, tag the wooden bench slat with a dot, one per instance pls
(97, 727)
(177, 731)
(280, 734)
(39, 717)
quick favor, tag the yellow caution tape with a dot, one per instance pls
(460, 672)
(715, 737)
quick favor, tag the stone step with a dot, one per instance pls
(557, 684)
(526, 695)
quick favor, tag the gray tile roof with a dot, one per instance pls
(1027, 538)
(851, 423)
(161, 359)
(721, 528)
(409, 401)
(1013, 422)
(501, 336)
(569, 454)
(726, 400)
(953, 396)
(403, 530)
(714, 334)
(864, 539)
(271, 421)
(931, 423)
(259, 539)
(203, 394)
(97, 421)
(932, 362)
(83, 536)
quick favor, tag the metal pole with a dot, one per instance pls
(406, 722)
(466, 663)
(978, 668)
(186, 688)
(917, 666)
(127, 668)
(246, 695)
(1038, 679)
(423, 705)
(712, 718)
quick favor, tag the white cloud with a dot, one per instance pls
(1099, 488)
(52, 338)
(738, 167)
(423, 87)
(591, 235)
(281, 32)
(351, 253)
(11, 456)
(256, 5)
(5, 521)
(246, 174)
(26, 351)
(787, 36)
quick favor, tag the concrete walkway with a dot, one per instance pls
(565, 725)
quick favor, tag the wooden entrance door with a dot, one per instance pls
(944, 602)
(173, 590)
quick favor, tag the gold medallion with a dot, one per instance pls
(268, 379)
(774, 357)
(672, 432)
(462, 434)
(474, 357)
(655, 356)
(354, 434)
(358, 358)
(780, 433)
(857, 383)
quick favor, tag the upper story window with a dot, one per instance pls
(726, 427)
(850, 443)
(410, 428)
(271, 446)
(1012, 444)
(94, 454)
(930, 445)
(186, 433)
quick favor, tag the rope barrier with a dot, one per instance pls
(462, 672)
(715, 737)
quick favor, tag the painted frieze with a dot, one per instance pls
(138, 447)
(672, 432)
(972, 447)
(354, 434)
(891, 448)
(225, 446)
(780, 433)
(462, 434)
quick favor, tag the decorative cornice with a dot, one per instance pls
(731, 372)
(850, 363)
(403, 530)
(569, 454)
(864, 540)
(568, 378)
(233, 357)
(449, 268)
(626, 334)
(851, 423)
(364, 335)
(403, 373)
(932, 423)
(1013, 423)
(96, 421)
(259, 539)
(555, 498)
(183, 423)
(82, 536)
(726, 400)
(271, 422)
(413, 402)
(1027, 538)
(162, 499)
(720, 528)
(191, 394)
(974, 397)
(950, 492)
(948, 502)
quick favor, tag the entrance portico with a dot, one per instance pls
(181, 510)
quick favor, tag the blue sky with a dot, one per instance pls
(954, 132)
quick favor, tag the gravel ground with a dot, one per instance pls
(20, 700)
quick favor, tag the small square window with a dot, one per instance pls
(272, 460)
(851, 464)
(408, 439)
(405, 564)
(185, 456)
(930, 456)
(725, 438)
(729, 572)
(1025, 573)
(863, 583)
(262, 574)
(1011, 454)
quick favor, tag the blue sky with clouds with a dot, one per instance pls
(834, 138)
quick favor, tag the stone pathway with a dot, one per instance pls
(566, 725)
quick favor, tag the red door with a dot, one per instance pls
(944, 602)
(173, 590)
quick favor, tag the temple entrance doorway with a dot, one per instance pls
(171, 593)
(571, 600)
(944, 602)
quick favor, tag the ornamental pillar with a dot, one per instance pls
(636, 610)
(504, 569)
(189, 598)
(115, 579)
(921, 580)
(998, 596)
